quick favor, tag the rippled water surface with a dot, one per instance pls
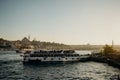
(11, 68)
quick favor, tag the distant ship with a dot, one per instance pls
(51, 56)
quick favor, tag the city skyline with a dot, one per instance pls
(64, 21)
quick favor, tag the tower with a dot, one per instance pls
(29, 37)
(112, 43)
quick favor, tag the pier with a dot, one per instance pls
(97, 57)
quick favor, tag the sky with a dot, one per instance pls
(62, 21)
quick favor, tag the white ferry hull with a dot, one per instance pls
(51, 59)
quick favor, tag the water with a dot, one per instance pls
(11, 68)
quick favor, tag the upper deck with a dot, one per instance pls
(53, 53)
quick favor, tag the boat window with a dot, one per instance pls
(51, 58)
(44, 58)
(59, 58)
(78, 58)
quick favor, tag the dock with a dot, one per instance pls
(96, 57)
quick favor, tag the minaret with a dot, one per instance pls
(112, 43)
(34, 39)
(29, 37)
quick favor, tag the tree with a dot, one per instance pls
(108, 49)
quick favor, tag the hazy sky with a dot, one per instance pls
(63, 21)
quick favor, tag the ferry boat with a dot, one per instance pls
(51, 56)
